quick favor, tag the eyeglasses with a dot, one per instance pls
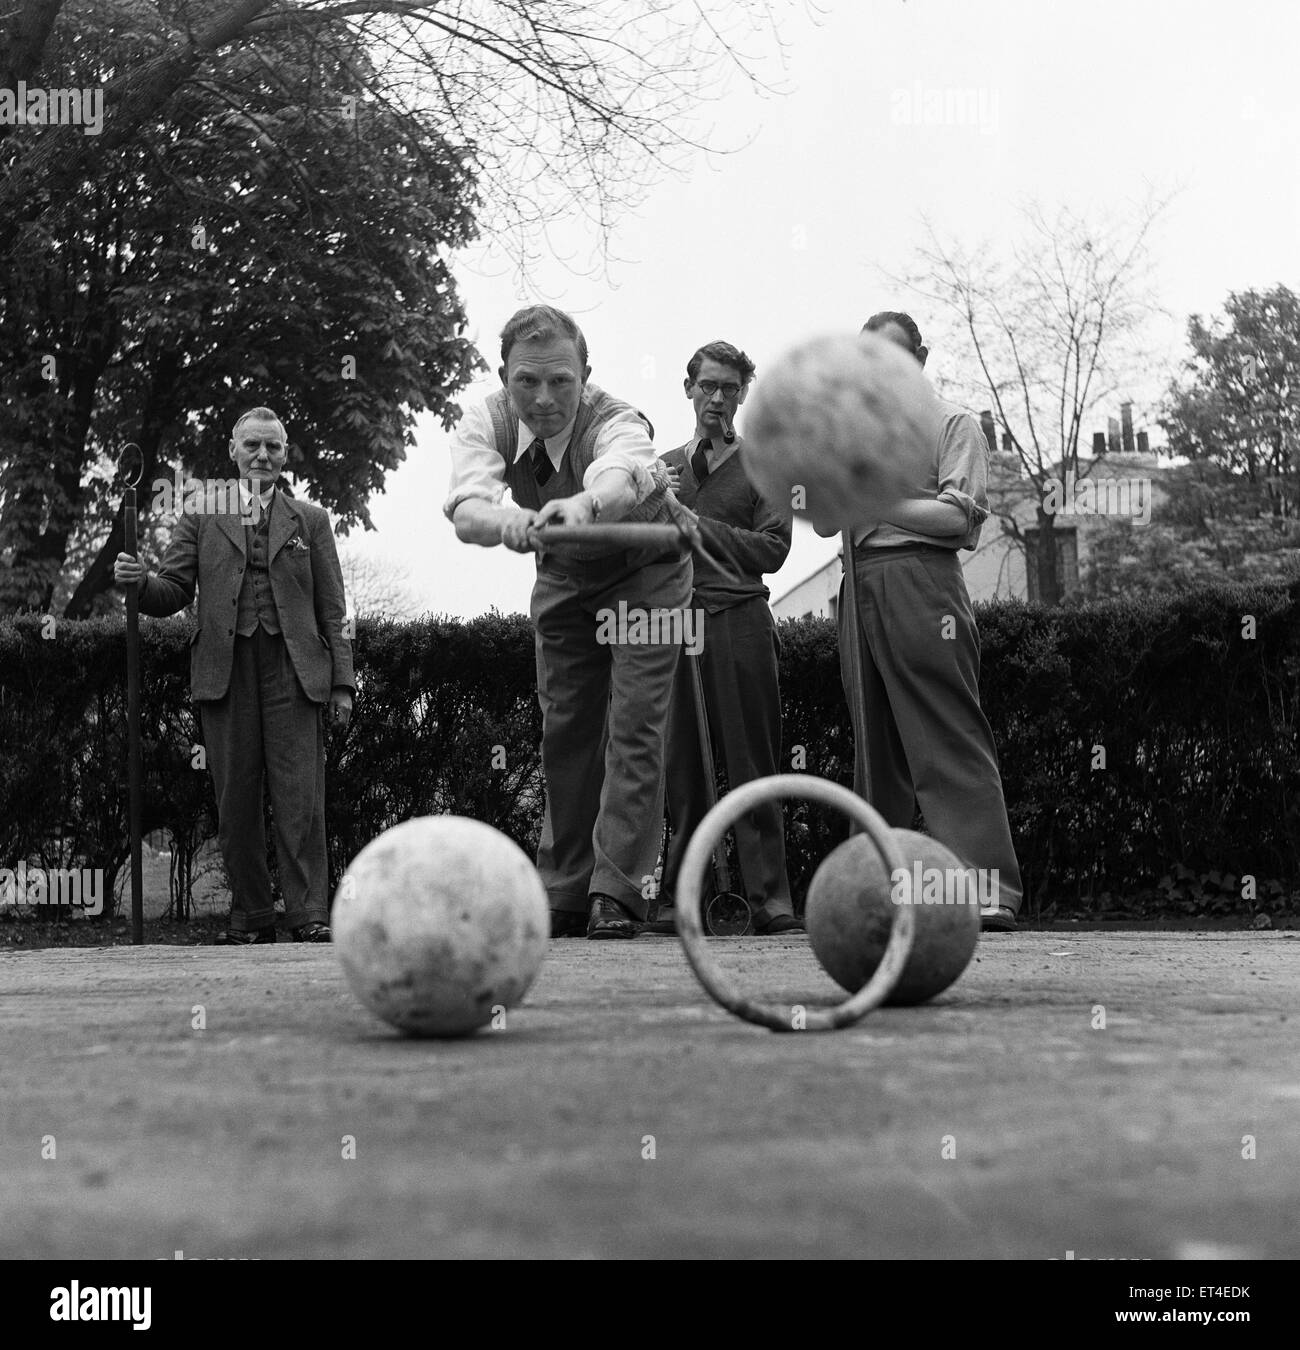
(711, 387)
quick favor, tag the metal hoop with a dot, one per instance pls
(700, 850)
(121, 457)
(716, 907)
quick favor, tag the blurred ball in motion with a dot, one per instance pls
(440, 922)
(835, 429)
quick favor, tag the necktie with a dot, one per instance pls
(700, 465)
(542, 466)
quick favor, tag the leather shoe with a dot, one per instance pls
(246, 937)
(313, 932)
(566, 923)
(779, 923)
(1001, 920)
(609, 919)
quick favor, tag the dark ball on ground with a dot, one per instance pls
(850, 911)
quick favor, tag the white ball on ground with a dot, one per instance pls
(440, 922)
(837, 428)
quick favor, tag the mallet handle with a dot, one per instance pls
(857, 686)
(133, 766)
(614, 532)
(721, 872)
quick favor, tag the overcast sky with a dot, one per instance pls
(1083, 105)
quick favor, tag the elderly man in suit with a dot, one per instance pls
(268, 657)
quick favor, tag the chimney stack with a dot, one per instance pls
(1126, 417)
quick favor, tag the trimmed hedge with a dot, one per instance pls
(1196, 717)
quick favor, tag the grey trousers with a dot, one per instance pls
(738, 667)
(267, 727)
(604, 715)
(928, 740)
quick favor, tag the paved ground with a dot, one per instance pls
(1122, 1141)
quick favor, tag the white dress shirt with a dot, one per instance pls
(264, 498)
(958, 474)
(479, 472)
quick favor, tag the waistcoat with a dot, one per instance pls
(256, 603)
(597, 408)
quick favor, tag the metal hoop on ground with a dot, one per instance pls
(698, 852)
(727, 915)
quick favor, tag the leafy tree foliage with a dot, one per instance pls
(266, 248)
(268, 216)
(1232, 511)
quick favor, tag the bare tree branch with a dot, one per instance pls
(1054, 332)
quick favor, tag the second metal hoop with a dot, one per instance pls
(698, 853)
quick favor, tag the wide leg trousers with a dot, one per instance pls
(742, 695)
(604, 715)
(266, 728)
(928, 740)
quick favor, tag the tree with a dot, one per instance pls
(174, 289)
(377, 589)
(560, 105)
(1238, 406)
(1208, 529)
(1048, 331)
(268, 216)
(1232, 511)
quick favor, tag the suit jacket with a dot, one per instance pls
(210, 549)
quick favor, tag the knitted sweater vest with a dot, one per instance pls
(595, 409)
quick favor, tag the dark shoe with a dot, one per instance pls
(242, 937)
(1001, 920)
(610, 920)
(567, 923)
(313, 932)
(781, 923)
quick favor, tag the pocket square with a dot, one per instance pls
(295, 543)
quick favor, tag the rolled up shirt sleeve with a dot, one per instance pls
(963, 469)
(477, 469)
(624, 443)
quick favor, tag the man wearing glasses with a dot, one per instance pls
(738, 660)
